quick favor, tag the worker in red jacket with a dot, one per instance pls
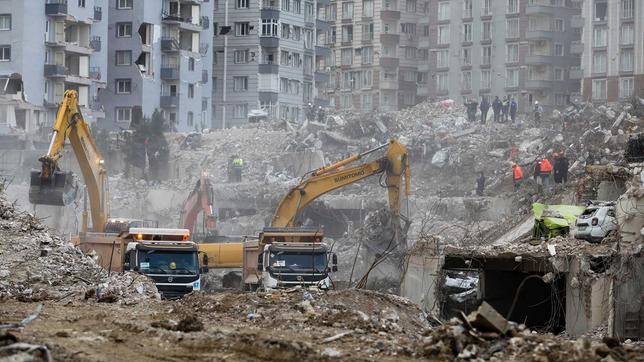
(546, 172)
(517, 176)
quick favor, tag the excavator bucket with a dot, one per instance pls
(58, 190)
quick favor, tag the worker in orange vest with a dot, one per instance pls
(517, 176)
(546, 172)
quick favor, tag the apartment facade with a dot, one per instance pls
(489, 48)
(375, 52)
(47, 47)
(613, 50)
(159, 58)
(267, 60)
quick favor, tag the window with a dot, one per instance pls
(331, 12)
(410, 53)
(512, 78)
(191, 119)
(284, 58)
(240, 111)
(425, 30)
(123, 30)
(367, 8)
(346, 56)
(242, 29)
(441, 82)
(599, 89)
(512, 53)
(467, 32)
(347, 33)
(367, 79)
(513, 6)
(486, 79)
(123, 57)
(512, 28)
(243, 4)
(601, 10)
(466, 83)
(367, 31)
(600, 36)
(294, 87)
(283, 85)
(627, 9)
(626, 34)
(443, 10)
(5, 22)
(408, 28)
(240, 56)
(297, 33)
(308, 39)
(347, 10)
(487, 30)
(467, 56)
(367, 55)
(559, 50)
(81, 3)
(367, 102)
(559, 74)
(487, 55)
(410, 6)
(467, 8)
(191, 90)
(558, 25)
(626, 60)
(297, 6)
(297, 60)
(123, 114)
(123, 86)
(443, 34)
(124, 4)
(599, 62)
(442, 58)
(345, 101)
(240, 84)
(286, 30)
(286, 5)
(191, 64)
(486, 8)
(269, 27)
(626, 86)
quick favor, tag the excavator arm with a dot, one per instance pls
(50, 186)
(200, 199)
(395, 165)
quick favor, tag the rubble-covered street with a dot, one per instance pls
(551, 297)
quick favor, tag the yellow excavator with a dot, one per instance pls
(51, 186)
(285, 255)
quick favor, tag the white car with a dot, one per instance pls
(596, 222)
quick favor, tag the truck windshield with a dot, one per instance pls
(168, 262)
(297, 261)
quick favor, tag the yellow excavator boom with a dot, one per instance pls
(395, 165)
(50, 186)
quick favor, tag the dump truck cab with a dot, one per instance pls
(288, 257)
(167, 257)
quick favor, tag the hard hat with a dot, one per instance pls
(536, 102)
(173, 265)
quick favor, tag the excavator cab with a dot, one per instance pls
(59, 189)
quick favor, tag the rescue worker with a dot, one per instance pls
(537, 111)
(237, 166)
(546, 171)
(480, 184)
(517, 176)
(471, 106)
(505, 109)
(560, 168)
(514, 107)
(536, 173)
(484, 107)
(556, 168)
(496, 108)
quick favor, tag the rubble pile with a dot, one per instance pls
(36, 265)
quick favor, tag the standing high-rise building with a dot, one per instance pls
(613, 48)
(47, 47)
(159, 58)
(267, 60)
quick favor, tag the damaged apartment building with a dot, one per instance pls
(557, 284)
(47, 47)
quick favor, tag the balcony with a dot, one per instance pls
(55, 70)
(322, 25)
(576, 73)
(95, 73)
(169, 101)
(170, 72)
(323, 3)
(269, 41)
(576, 47)
(268, 96)
(423, 66)
(576, 22)
(185, 23)
(390, 38)
(98, 13)
(540, 9)
(322, 51)
(390, 15)
(78, 79)
(389, 62)
(321, 77)
(538, 84)
(56, 8)
(539, 34)
(538, 59)
(169, 44)
(95, 43)
(270, 12)
(78, 49)
(268, 68)
(423, 42)
(391, 84)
